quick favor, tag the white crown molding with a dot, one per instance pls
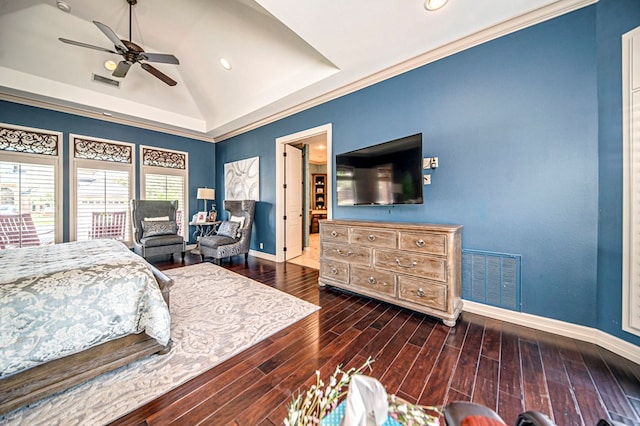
(100, 116)
(578, 332)
(537, 16)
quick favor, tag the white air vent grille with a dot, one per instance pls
(106, 80)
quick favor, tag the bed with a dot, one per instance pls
(70, 312)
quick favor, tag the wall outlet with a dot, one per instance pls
(434, 162)
(261, 246)
(426, 179)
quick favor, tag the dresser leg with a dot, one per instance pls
(451, 323)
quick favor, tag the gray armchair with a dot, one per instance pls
(231, 239)
(153, 235)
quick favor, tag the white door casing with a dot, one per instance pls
(280, 196)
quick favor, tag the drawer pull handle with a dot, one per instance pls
(371, 237)
(420, 243)
(420, 293)
(371, 280)
(334, 270)
(341, 253)
(413, 264)
(334, 234)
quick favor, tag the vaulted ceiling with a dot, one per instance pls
(285, 55)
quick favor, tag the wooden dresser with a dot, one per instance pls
(417, 266)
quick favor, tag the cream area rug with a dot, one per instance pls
(215, 314)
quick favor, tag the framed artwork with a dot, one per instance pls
(242, 180)
(202, 217)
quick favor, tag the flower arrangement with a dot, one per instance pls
(311, 407)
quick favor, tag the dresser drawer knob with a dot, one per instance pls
(413, 264)
(371, 280)
(334, 270)
(420, 243)
(344, 254)
(334, 234)
(420, 293)
(371, 237)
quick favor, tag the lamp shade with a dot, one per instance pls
(206, 194)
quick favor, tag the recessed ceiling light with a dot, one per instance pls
(110, 65)
(63, 6)
(225, 64)
(434, 4)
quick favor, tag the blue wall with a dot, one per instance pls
(515, 124)
(201, 154)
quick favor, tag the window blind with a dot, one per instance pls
(169, 188)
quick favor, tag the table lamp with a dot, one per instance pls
(206, 194)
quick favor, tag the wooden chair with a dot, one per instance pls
(109, 225)
(18, 231)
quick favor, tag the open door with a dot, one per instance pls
(293, 201)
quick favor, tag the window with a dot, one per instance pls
(30, 188)
(103, 182)
(164, 177)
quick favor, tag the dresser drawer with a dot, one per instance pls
(334, 233)
(335, 271)
(374, 237)
(423, 242)
(374, 280)
(421, 292)
(423, 266)
(346, 253)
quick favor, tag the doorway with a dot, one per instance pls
(311, 140)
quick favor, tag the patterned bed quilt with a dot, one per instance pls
(62, 299)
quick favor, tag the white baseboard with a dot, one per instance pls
(578, 332)
(263, 255)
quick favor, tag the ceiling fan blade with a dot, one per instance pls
(89, 46)
(112, 36)
(122, 69)
(156, 72)
(161, 57)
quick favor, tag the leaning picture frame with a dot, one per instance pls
(202, 217)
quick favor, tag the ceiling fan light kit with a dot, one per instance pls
(434, 4)
(130, 52)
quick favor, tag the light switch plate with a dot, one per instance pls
(426, 179)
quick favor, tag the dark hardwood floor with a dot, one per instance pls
(507, 367)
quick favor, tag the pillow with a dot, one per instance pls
(239, 219)
(480, 421)
(153, 228)
(229, 229)
(156, 219)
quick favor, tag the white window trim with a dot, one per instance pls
(75, 163)
(168, 171)
(55, 160)
(630, 288)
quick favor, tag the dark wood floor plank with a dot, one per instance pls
(506, 366)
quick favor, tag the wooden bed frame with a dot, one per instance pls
(57, 375)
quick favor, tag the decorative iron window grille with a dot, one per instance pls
(102, 151)
(29, 141)
(162, 158)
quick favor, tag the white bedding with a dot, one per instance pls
(62, 299)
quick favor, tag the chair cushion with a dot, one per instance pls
(161, 240)
(214, 241)
(239, 219)
(228, 229)
(153, 228)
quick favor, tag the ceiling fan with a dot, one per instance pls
(130, 52)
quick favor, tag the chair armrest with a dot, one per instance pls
(534, 418)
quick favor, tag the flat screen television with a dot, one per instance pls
(384, 174)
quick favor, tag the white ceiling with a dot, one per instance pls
(286, 55)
